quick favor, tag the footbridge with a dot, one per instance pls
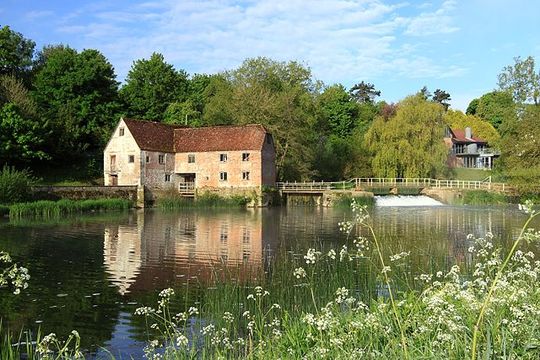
(390, 184)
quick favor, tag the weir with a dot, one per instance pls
(406, 200)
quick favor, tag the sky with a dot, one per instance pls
(399, 46)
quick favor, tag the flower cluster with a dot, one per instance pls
(12, 275)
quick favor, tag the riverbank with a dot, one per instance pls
(52, 209)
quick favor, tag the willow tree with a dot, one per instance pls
(409, 143)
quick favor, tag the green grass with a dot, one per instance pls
(54, 209)
(204, 200)
(15, 185)
(346, 200)
(471, 174)
(484, 197)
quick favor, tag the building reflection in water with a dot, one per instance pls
(159, 249)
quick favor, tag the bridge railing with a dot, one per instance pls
(366, 183)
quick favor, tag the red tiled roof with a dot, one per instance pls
(459, 136)
(219, 138)
(155, 136)
(151, 135)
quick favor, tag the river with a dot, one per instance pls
(89, 273)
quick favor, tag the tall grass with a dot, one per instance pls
(14, 185)
(346, 200)
(204, 200)
(55, 209)
(483, 197)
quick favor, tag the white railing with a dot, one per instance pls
(366, 183)
(186, 187)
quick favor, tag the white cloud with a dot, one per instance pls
(38, 14)
(341, 40)
(436, 22)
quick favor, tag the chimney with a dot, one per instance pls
(468, 133)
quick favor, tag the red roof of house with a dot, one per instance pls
(219, 138)
(156, 136)
(459, 136)
(151, 135)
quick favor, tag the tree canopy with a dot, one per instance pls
(408, 144)
(522, 81)
(364, 92)
(151, 86)
(480, 128)
(16, 52)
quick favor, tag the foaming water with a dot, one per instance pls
(406, 200)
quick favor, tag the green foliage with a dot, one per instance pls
(364, 93)
(498, 108)
(521, 156)
(15, 52)
(77, 94)
(442, 97)
(174, 200)
(345, 201)
(54, 209)
(338, 112)
(480, 128)
(522, 81)
(483, 197)
(473, 106)
(183, 113)
(151, 86)
(14, 185)
(409, 144)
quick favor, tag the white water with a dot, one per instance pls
(406, 200)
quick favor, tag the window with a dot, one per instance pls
(222, 176)
(147, 158)
(167, 177)
(223, 157)
(131, 158)
(191, 158)
(161, 159)
(245, 175)
(245, 156)
(121, 132)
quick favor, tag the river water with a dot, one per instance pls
(89, 273)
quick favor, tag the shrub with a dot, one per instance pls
(483, 197)
(15, 185)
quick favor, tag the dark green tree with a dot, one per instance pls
(473, 107)
(424, 93)
(364, 92)
(16, 53)
(338, 112)
(77, 93)
(498, 108)
(151, 86)
(442, 97)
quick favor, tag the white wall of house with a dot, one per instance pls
(122, 158)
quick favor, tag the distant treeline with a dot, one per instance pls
(59, 106)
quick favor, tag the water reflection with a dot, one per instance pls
(170, 248)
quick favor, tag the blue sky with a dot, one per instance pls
(400, 46)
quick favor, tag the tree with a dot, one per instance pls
(15, 53)
(151, 86)
(424, 93)
(364, 92)
(473, 106)
(21, 138)
(442, 97)
(77, 93)
(520, 159)
(338, 112)
(409, 144)
(497, 108)
(480, 128)
(183, 113)
(522, 81)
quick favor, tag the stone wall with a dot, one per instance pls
(84, 192)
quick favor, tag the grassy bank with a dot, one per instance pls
(51, 209)
(484, 197)
(205, 200)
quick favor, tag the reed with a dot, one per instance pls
(204, 200)
(55, 209)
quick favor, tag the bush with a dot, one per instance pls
(59, 208)
(205, 200)
(15, 185)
